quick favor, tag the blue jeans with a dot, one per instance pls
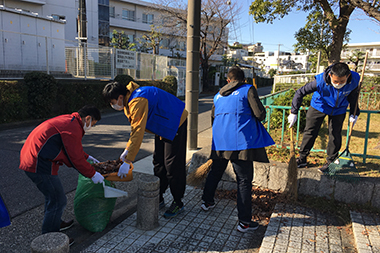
(55, 200)
(244, 177)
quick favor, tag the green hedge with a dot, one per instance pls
(40, 96)
(13, 101)
(286, 100)
(263, 82)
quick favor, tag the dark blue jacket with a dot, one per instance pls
(326, 98)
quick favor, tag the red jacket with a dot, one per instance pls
(55, 142)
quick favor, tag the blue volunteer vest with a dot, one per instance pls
(332, 101)
(164, 113)
(234, 127)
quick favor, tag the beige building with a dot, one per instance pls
(373, 61)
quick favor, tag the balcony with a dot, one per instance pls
(118, 21)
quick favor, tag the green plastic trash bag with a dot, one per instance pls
(91, 209)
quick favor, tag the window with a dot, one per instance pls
(58, 17)
(131, 38)
(147, 18)
(112, 12)
(129, 15)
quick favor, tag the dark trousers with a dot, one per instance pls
(55, 200)
(169, 160)
(244, 177)
(314, 119)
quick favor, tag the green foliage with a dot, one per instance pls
(286, 100)
(75, 94)
(169, 87)
(272, 72)
(152, 39)
(42, 89)
(119, 40)
(13, 97)
(356, 57)
(268, 10)
(211, 72)
(123, 79)
(67, 96)
(317, 35)
(172, 80)
(235, 47)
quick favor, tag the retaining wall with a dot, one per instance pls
(311, 182)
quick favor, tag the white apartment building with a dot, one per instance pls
(134, 17)
(282, 61)
(237, 53)
(373, 61)
(66, 11)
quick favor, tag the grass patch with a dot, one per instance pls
(371, 168)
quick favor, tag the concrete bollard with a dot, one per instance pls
(147, 202)
(51, 242)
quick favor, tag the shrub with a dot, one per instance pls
(42, 90)
(286, 100)
(13, 97)
(172, 82)
(78, 93)
(170, 79)
(123, 79)
(159, 84)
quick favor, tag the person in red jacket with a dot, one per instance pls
(55, 142)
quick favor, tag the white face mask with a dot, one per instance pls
(117, 107)
(85, 127)
(338, 86)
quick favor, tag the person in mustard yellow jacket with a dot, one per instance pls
(150, 109)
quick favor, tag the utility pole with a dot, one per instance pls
(192, 71)
(82, 37)
(278, 58)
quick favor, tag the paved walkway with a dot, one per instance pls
(291, 229)
(194, 230)
(299, 229)
(366, 229)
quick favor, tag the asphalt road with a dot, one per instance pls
(105, 142)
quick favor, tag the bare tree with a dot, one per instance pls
(215, 15)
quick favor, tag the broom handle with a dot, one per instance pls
(357, 101)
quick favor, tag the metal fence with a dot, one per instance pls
(270, 108)
(21, 53)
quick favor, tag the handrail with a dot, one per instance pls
(270, 108)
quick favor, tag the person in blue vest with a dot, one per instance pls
(334, 90)
(150, 109)
(238, 137)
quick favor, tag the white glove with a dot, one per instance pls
(123, 170)
(93, 159)
(123, 155)
(353, 119)
(292, 118)
(97, 178)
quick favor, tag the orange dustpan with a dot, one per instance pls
(114, 177)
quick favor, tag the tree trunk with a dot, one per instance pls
(337, 43)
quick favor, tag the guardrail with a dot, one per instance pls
(270, 108)
(268, 100)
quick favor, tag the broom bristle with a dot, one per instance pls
(199, 174)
